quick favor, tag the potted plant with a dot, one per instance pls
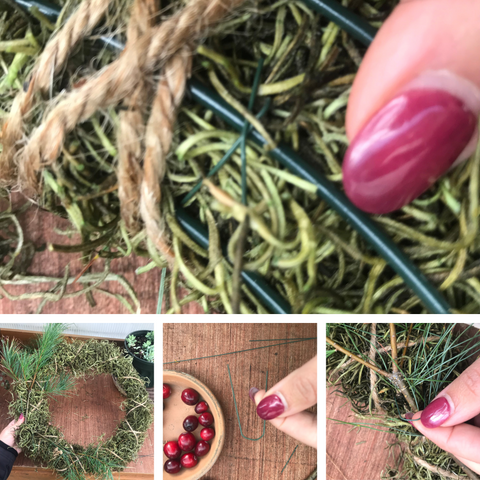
(140, 346)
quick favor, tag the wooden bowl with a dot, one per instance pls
(174, 415)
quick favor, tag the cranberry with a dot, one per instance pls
(190, 423)
(202, 448)
(190, 396)
(172, 450)
(189, 460)
(202, 407)
(172, 466)
(186, 441)
(167, 391)
(207, 434)
(205, 419)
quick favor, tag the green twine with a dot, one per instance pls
(288, 461)
(231, 353)
(236, 409)
(160, 291)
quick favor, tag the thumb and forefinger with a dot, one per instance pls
(413, 108)
(443, 421)
(285, 403)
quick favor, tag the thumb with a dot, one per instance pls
(413, 108)
(20, 420)
(295, 393)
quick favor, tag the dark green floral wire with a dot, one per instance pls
(236, 409)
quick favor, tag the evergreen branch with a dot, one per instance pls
(46, 345)
(58, 385)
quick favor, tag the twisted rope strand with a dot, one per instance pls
(50, 62)
(132, 125)
(170, 92)
(117, 81)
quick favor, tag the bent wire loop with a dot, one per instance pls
(236, 409)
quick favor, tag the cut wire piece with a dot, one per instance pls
(288, 461)
(236, 409)
(231, 353)
(283, 339)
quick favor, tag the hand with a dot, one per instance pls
(8, 433)
(413, 108)
(444, 421)
(284, 404)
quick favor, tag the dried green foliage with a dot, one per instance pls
(51, 367)
(302, 247)
(436, 355)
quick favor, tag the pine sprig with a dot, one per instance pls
(46, 345)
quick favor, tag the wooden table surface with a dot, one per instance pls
(243, 459)
(40, 228)
(359, 454)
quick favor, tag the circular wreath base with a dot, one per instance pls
(43, 442)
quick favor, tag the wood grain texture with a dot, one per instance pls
(243, 459)
(359, 454)
(92, 410)
(40, 229)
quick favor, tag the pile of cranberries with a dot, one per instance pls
(185, 451)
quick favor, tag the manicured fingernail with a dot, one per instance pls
(270, 407)
(405, 147)
(252, 393)
(409, 415)
(436, 413)
(21, 417)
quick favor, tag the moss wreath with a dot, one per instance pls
(43, 442)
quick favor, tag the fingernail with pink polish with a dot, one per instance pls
(409, 415)
(436, 413)
(252, 393)
(21, 417)
(406, 147)
(270, 407)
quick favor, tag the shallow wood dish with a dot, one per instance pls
(174, 415)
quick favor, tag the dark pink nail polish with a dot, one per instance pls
(436, 413)
(409, 415)
(252, 393)
(404, 148)
(270, 407)
(21, 417)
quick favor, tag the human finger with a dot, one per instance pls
(413, 109)
(302, 426)
(461, 440)
(457, 403)
(295, 393)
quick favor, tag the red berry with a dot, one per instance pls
(205, 419)
(202, 448)
(190, 423)
(202, 407)
(172, 466)
(167, 391)
(186, 441)
(207, 434)
(172, 450)
(189, 460)
(190, 396)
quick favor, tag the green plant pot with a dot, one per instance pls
(144, 368)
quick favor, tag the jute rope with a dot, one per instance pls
(171, 89)
(117, 81)
(165, 49)
(50, 62)
(131, 130)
